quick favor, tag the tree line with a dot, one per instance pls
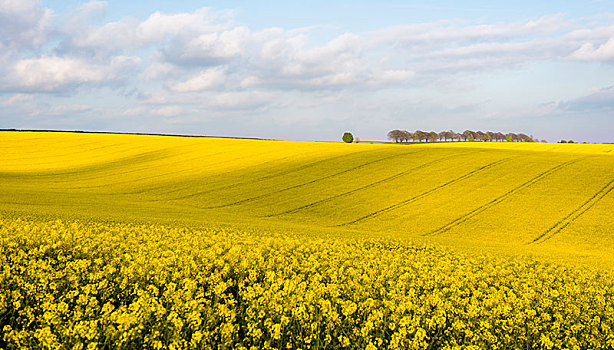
(450, 135)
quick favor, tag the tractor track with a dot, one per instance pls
(266, 177)
(423, 194)
(158, 175)
(499, 199)
(246, 200)
(390, 178)
(575, 214)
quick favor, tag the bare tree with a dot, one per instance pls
(421, 135)
(478, 135)
(406, 135)
(442, 135)
(485, 136)
(395, 135)
(467, 134)
(525, 138)
(433, 136)
(448, 135)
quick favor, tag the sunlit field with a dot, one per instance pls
(132, 241)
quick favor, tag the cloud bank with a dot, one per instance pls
(182, 69)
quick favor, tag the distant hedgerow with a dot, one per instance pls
(467, 135)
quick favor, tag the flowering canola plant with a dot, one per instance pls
(69, 284)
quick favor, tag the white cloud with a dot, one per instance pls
(158, 26)
(588, 52)
(108, 38)
(167, 111)
(17, 7)
(128, 33)
(69, 109)
(275, 43)
(134, 111)
(245, 100)
(212, 100)
(455, 32)
(84, 14)
(335, 57)
(16, 99)
(206, 79)
(602, 99)
(23, 23)
(225, 44)
(285, 61)
(53, 73)
(438, 48)
(160, 70)
(276, 58)
(590, 33)
(249, 81)
(345, 46)
(395, 75)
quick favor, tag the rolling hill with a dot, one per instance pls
(476, 194)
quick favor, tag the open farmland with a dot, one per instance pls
(202, 242)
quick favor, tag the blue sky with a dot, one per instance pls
(309, 70)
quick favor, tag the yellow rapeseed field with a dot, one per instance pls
(109, 285)
(132, 241)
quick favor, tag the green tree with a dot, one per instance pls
(508, 138)
(348, 137)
